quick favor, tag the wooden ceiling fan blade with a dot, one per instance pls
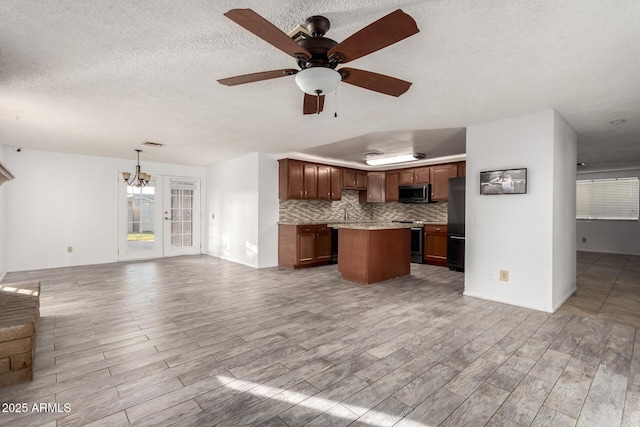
(374, 81)
(251, 21)
(256, 77)
(384, 32)
(311, 104)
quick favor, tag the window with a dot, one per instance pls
(608, 199)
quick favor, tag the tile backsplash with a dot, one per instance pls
(322, 210)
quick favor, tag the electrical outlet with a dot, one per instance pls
(69, 249)
(584, 240)
(492, 275)
(504, 275)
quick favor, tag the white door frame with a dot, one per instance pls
(169, 248)
(162, 228)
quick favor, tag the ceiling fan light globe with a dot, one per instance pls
(318, 80)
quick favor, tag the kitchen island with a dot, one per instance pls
(371, 252)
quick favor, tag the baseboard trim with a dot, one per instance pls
(566, 297)
(546, 310)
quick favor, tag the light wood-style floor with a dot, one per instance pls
(608, 288)
(196, 341)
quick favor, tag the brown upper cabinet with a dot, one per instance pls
(440, 175)
(336, 183)
(297, 180)
(414, 176)
(361, 180)
(324, 182)
(303, 180)
(391, 186)
(329, 183)
(349, 179)
(462, 169)
(375, 187)
(353, 179)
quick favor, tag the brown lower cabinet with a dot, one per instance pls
(303, 245)
(435, 244)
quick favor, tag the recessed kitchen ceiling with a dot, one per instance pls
(102, 77)
(439, 145)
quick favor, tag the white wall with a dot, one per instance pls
(242, 210)
(3, 268)
(564, 211)
(269, 211)
(59, 200)
(617, 237)
(516, 232)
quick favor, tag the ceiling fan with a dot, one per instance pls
(318, 56)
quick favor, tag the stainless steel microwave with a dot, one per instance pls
(420, 193)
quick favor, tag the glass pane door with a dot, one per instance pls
(139, 221)
(141, 234)
(181, 216)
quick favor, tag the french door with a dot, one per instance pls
(159, 220)
(181, 217)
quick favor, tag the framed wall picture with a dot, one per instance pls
(507, 181)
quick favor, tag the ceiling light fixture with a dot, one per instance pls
(395, 159)
(153, 144)
(139, 179)
(318, 81)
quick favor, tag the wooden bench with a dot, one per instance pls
(19, 316)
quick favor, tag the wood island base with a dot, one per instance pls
(370, 256)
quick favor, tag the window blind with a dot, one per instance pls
(607, 199)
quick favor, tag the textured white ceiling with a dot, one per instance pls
(100, 77)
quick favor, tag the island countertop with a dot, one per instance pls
(358, 225)
(381, 225)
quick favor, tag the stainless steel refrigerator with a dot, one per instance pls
(455, 224)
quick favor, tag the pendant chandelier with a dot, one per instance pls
(139, 178)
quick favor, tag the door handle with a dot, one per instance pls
(457, 237)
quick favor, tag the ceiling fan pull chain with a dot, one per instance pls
(335, 109)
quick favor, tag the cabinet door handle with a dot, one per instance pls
(300, 193)
(305, 193)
